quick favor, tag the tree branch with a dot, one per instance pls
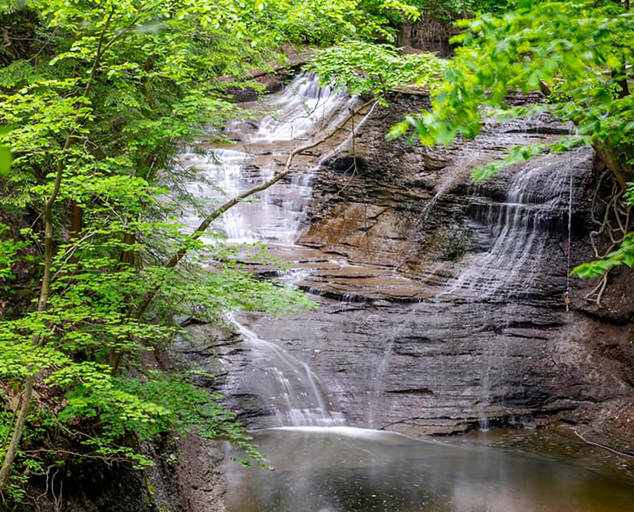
(605, 154)
(204, 225)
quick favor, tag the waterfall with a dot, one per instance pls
(292, 390)
(448, 360)
(512, 224)
(517, 231)
(303, 105)
(273, 216)
(293, 394)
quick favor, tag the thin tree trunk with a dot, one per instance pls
(12, 449)
(45, 289)
(612, 164)
(27, 394)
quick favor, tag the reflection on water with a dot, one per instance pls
(353, 470)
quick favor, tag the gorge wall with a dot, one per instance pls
(442, 304)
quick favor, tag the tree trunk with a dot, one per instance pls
(76, 224)
(12, 449)
(25, 403)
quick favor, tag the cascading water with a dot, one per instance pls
(272, 216)
(304, 106)
(290, 387)
(293, 393)
(517, 227)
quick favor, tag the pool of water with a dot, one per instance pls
(345, 469)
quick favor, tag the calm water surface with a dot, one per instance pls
(344, 469)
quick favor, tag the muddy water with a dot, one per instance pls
(345, 469)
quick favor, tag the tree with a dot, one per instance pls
(98, 101)
(375, 69)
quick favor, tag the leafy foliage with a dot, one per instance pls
(98, 104)
(575, 52)
(584, 65)
(9, 252)
(187, 409)
(366, 68)
(624, 255)
(6, 158)
(450, 10)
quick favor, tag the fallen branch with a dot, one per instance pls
(204, 225)
(602, 446)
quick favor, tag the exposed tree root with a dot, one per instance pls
(613, 218)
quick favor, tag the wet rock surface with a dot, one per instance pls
(441, 303)
(432, 368)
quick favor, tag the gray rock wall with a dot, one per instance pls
(440, 320)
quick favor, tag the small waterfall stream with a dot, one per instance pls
(273, 216)
(516, 230)
(290, 387)
(536, 202)
(293, 392)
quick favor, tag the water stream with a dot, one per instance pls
(294, 394)
(301, 112)
(536, 201)
(290, 387)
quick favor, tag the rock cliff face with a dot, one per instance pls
(442, 304)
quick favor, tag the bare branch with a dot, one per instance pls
(204, 225)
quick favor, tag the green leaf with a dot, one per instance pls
(5, 160)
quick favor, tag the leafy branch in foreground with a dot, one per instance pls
(571, 49)
(367, 68)
(624, 255)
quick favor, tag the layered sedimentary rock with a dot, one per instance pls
(442, 304)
